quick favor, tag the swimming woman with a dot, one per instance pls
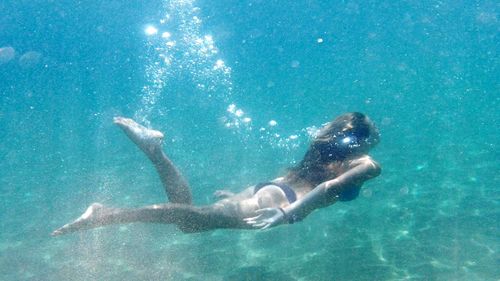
(333, 169)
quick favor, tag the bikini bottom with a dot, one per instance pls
(289, 192)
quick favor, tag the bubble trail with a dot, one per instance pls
(177, 45)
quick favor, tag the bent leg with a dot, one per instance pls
(149, 141)
(187, 217)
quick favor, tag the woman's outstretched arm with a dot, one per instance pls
(325, 194)
(328, 192)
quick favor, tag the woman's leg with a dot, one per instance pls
(187, 217)
(227, 213)
(150, 141)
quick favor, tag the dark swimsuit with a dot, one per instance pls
(349, 194)
(289, 192)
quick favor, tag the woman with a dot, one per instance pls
(333, 169)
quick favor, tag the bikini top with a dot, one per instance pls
(349, 194)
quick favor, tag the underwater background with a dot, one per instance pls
(238, 87)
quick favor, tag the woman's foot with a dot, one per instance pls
(146, 139)
(91, 218)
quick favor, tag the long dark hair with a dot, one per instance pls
(347, 135)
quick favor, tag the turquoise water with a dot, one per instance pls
(237, 87)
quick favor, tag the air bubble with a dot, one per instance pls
(30, 59)
(7, 54)
(150, 30)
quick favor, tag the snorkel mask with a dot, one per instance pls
(342, 145)
(347, 141)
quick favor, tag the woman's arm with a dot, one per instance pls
(322, 195)
(327, 193)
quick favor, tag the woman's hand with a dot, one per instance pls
(223, 194)
(267, 217)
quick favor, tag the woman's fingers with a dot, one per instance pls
(260, 213)
(252, 219)
(260, 225)
(255, 222)
(263, 220)
(266, 226)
